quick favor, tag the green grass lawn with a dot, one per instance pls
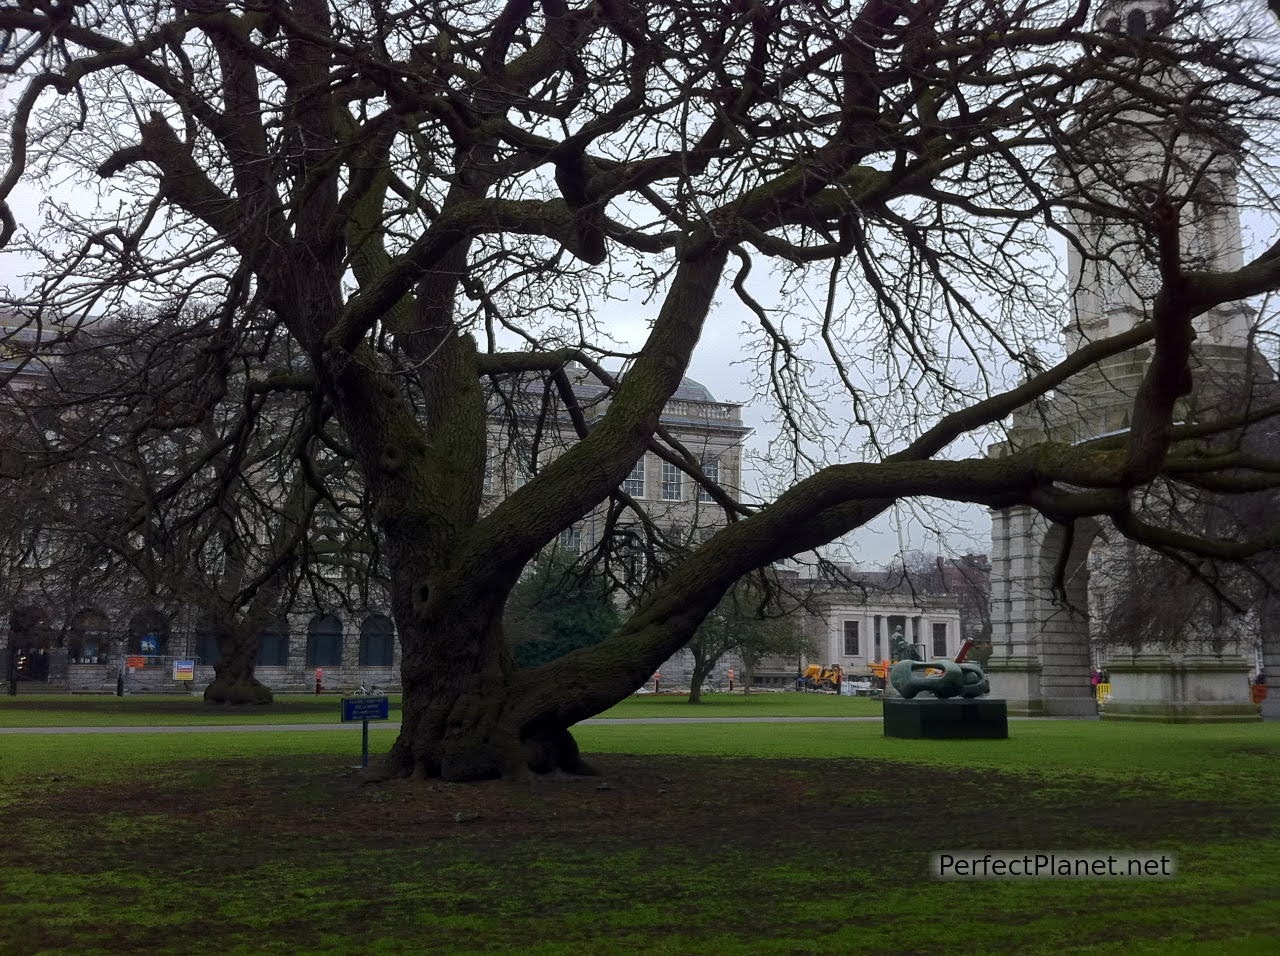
(697, 838)
(84, 710)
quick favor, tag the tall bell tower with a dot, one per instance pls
(1168, 144)
(1147, 139)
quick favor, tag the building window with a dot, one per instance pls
(672, 485)
(879, 651)
(939, 640)
(324, 642)
(712, 470)
(850, 638)
(376, 641)
(523, 474)
(571, 540)
(633, 484)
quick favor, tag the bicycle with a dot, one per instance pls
(369, 690)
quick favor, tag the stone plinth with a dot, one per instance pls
(954, 719)
(1179, 688)
(1016, 680)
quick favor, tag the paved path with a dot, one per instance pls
(387, 725)
(384, 725)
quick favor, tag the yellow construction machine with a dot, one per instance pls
(821, 678)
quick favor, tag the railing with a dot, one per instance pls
(679, 408)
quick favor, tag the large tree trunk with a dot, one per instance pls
(468, 714)
(462, 716)
(233, 678)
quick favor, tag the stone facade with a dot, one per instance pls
(62, 638)
(853, 626)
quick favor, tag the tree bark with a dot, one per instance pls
(701, 668)
(233, 678)
(462, 718)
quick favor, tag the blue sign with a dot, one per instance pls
(366, 708)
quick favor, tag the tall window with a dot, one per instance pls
(324, 642)
(939, 640)
(671, 482)
(712, 470)
(208, 647)
(850, 638)
(273, 645)
(633, 484)
(376, 641)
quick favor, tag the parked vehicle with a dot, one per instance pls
(821, 678)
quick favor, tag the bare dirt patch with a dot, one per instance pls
(692, 802)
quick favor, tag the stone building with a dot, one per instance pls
(859, 618)
(63, 633)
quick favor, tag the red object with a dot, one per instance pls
(965, 646)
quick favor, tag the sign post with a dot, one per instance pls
(365, 709)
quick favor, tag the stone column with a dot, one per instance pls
(1014, 668)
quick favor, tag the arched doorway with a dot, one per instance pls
(1040, 661)
(90, 637)
(30, 640)
(149, 633)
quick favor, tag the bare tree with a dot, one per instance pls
(755, 619)
(425, 196)
(142, 477)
